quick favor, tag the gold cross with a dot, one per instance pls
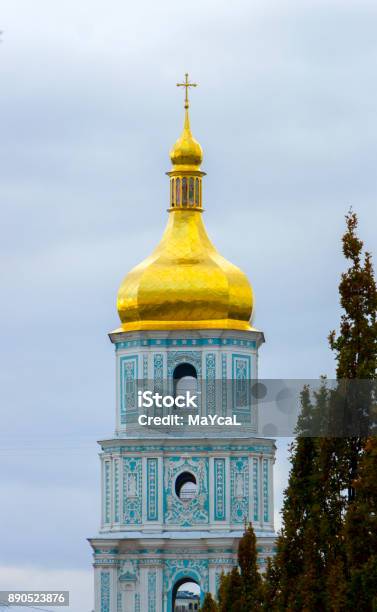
(186, 84)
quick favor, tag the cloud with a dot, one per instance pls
(79, 583)
(285, 112)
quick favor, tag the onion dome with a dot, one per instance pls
(185, 283)
(187, 154)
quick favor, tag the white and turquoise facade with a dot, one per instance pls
(152, 539)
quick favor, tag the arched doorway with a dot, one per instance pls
(186, 595)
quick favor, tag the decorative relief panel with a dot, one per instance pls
(145, 370)
(177, 357)
(256, 489)
(137, 602)
(195, 510)
(105, 591)
(107, 486)
(158, 380)
(128, 387)
(129, 567)
(239, 489)
(158, 372)
(217, 583)
(152, 590)
(190, 448)
(116, 491)
(152, 489)
(219, 478)
(211, 383)
(224, 384)
(241, 382)
(184, 342)
(190, 567)
(265, 491)
(132, 490)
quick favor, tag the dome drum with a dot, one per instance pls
(185, 189)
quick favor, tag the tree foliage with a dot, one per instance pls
(230, 592)
(242, 590)
(360, 534)
(355, 346)
(326, 555)
(250, 576)
(299, 561)
(209, 604)
(327, 550)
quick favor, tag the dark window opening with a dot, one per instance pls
(186, 487)
(185, 379)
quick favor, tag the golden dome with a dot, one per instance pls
(187, 153)
(185, 283)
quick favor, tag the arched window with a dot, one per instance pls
(185, 379)
(178, 191)
(191, 192)
(186, 487)
(172, 192)
(197, 192)
(184, 191)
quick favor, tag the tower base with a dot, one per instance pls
(142, 572)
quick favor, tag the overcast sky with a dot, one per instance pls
(286, 115)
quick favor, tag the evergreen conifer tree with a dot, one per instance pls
(298, 563)
(356, 344)
(223, 591)
(355, 351)
(271, 585)
(360, 534)
(250, 576)
(313, 565)
(356, 354)
(209, 604)
(327, 550)
(230, 592)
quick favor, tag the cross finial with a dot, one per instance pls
(187, 84)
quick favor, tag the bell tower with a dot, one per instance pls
(175, 498)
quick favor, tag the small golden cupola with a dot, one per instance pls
(185, 283)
